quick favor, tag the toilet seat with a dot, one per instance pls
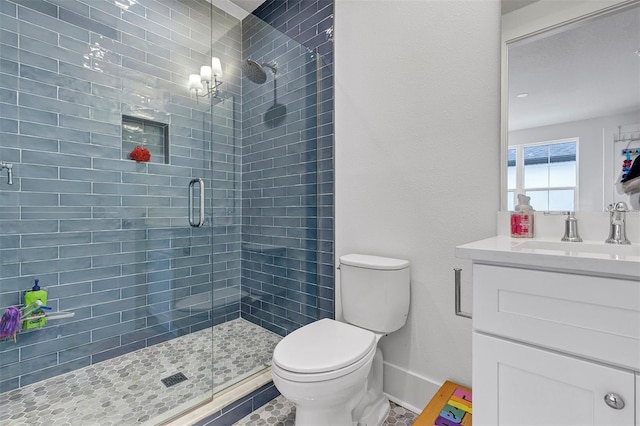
(323, 350)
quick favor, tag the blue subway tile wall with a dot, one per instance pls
(108, 237)
(287, 166)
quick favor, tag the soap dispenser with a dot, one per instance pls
(522, 218)
(35, 299)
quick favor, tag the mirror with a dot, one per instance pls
(571, 104)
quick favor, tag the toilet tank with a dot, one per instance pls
(374, 291)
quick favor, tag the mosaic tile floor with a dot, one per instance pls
(127, 390)
(281, 412)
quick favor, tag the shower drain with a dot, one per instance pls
(174, 379)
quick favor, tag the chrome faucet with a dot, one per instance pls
(617, 216)
(9, 168)
(571, 229)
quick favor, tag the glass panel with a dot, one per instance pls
(536, 175)
(539, 199)
(538, 154)
(562, 200)
(560, 152)
(280, 191)
(105, 231)
(511, 169)
(552, 200)
(562, 174)
(510, 201)
(552, 165)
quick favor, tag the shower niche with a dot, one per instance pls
(147, 134)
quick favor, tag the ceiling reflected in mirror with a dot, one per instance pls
(590, 70)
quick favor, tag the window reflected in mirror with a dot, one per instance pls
(569, 84)
(547, 172)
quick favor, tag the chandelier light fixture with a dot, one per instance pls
(206, 83)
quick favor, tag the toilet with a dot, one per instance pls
(332, 370)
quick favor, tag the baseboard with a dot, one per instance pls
(408, 389)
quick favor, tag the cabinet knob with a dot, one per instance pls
(614, 401)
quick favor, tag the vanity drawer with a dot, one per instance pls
(592, 317)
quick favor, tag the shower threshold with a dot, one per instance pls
(127, 390)
(221, 399)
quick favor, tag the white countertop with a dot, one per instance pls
(588, 257)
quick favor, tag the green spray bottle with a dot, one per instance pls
(30, 298)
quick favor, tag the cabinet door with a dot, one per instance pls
(518, 385)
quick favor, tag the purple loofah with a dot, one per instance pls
(10, 322)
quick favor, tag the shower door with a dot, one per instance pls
(104, 139)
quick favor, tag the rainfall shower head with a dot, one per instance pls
(255, 71)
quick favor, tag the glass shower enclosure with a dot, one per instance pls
(178, 235)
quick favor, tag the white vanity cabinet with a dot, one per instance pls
(516, 384)
(553, 339)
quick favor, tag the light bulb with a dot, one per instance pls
(194, 82)
(216, 67)
(205, 74)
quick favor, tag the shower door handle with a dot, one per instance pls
(192, 220)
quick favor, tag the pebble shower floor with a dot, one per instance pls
(127, 390)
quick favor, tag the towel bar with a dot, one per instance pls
(457, 309)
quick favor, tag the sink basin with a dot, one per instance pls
(613, 250)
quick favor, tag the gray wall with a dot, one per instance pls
(287, 167)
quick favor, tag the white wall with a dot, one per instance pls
(597, 168)
(417, 163)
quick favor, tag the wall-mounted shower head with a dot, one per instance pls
(255, 71)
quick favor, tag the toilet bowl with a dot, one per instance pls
(332, 370)
(325, 368)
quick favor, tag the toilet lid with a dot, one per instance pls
(323, 346)
(373, 262)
